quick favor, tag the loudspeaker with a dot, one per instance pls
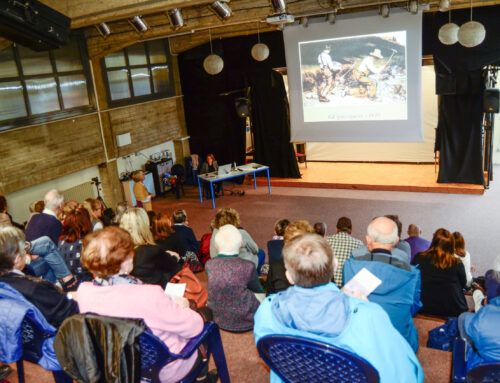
(241, 105)
(490, 100)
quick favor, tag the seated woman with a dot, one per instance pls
(76, 226)
(275, 245)
(164, 236)
(209, 166)
(463, 255)
(151, 263)
(52, 303)
(95, 209)
(249, 249)
(109, 255)
(232, 283)
(443, 277)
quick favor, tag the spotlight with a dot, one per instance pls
(413, 7)
(444, 5)
(103, 29)
(221, 9)
(331, 17)
(175, 18)
(279, 6)
(139, 24)
(384, 10)
(304, 21)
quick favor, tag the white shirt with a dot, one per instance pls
(324, 59)
(466, 261)
(367, 63)
(50, 212)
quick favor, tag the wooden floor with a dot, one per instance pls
(372, 176)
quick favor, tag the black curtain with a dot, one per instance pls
(271, 124)
(460, 85)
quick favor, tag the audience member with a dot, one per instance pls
(95, 209)
(204, 251)
(416, 242)
(52, 303)
(276, 278)
(275, 245)
(249, 250)
(5, 217)
(76, 226)
(141, 193)
(443, 277)
(315, 308)
(399, 292)
(320, 228)
(232, 283)
(164, 236)
(68, 207)
(109, 254)
(491, 286)
(401, 244)
(35, 207)
(121, 208)
(151, 215)
(184, 232)
(47, 222)
(463, 255)
(342, 244)
(151, 264)
(108, 217)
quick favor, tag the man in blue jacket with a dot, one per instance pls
(315, 308)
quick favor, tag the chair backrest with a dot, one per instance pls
(178, 170)
(32, 338)
(154, 355)
(297, 359)
(484, 373)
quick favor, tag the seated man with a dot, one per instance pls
(482, 331)
(232, 283)
(315, 308)
(399, 292)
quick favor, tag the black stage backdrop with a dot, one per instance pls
(460, 85)
(211, 118)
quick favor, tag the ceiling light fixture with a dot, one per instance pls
(448, 33)
(213, 63)
(103, 29)
(221, 9)
(413, 7)
(331, 17)
(259, 51)
(304, 21)
(385, 10)
(472, 33)
(139, 24)
(444, 5)
(279, 6)
(175, 18)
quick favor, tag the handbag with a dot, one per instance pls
(195, 290)
(443, 337)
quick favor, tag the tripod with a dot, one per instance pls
(96, 182)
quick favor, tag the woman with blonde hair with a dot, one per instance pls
(95, 209)
(443, 277)
(151, 264)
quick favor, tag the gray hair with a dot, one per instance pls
(383, 238)
(228, 240)
(11, 245)
(121, 208)
(53, 199)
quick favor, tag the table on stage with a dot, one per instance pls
(240, 171)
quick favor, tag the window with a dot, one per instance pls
(41, 86)
(139, 72)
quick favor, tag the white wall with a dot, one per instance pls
(389, 152)
(137, 161)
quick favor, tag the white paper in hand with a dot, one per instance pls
(362, 284)
(175, 289)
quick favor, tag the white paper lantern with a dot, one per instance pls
(213, 64)
(448, 34)
(260, 52)
(471, 34)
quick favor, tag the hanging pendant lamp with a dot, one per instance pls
(213, 63)
(260, 51)
(448, 33)
(472, 33)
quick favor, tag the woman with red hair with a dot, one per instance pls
(165, 236)
(76, 226)
(443, 277)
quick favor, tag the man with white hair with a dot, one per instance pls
(315, 308)
(47, 223)
(232, 283)
(399, 292)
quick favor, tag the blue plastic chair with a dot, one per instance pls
(298, 360)
(32, 338)
(154, 354)
(483, 373)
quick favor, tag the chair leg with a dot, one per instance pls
(217, 351)
(61, 377)
(20, 370)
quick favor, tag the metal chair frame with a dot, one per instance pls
(483, 373)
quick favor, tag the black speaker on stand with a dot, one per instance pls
(491, 100)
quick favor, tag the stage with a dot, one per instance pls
(372, 176)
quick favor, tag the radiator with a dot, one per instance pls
(80, 192)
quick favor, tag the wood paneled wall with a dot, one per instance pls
(43, 152)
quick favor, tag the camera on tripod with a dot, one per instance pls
(96, 181)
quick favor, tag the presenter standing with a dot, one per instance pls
(141, 193)
(210, 165)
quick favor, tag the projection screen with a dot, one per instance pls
(358, 80)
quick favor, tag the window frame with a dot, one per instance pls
(62, 113)
(148, 97)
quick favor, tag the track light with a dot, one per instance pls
(444, 5)
(221, 9)
(279, 6)
(175, 18)
(304, 21)
(103, 29)
(139, 24)
(413, 7)
(384, 10)
(331, 17)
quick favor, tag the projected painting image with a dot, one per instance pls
(354, 78)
